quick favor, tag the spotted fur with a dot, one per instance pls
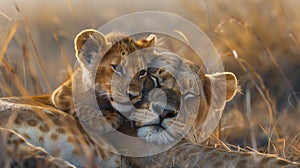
(54, 131)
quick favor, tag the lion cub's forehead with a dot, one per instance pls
(125, 44)
(121, 47)
(120, 42)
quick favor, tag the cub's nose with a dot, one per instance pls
(167, 114)
(165, 110)
(132, 95)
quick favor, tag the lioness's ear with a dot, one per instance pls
(87, 44)
(224, 79)
(148, 42)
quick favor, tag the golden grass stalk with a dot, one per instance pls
(65, 57)
(36, 54)
(36, 83)
(250, 30)
(5, 44)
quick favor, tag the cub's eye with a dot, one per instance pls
(116, 68)
(142, 73)
(189, 95)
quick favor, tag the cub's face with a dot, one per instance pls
(181, 100)
(119, 64)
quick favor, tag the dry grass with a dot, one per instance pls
(259, 43)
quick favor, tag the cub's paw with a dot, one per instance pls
(113, 121)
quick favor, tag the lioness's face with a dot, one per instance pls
(120, 69)
(180, 102)
(170, 110)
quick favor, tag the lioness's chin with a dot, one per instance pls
(122, 107)
(155, 134)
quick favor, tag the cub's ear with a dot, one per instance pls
(150, 41)
(224, 80)
(87, 44)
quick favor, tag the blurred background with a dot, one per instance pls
(257, 40)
